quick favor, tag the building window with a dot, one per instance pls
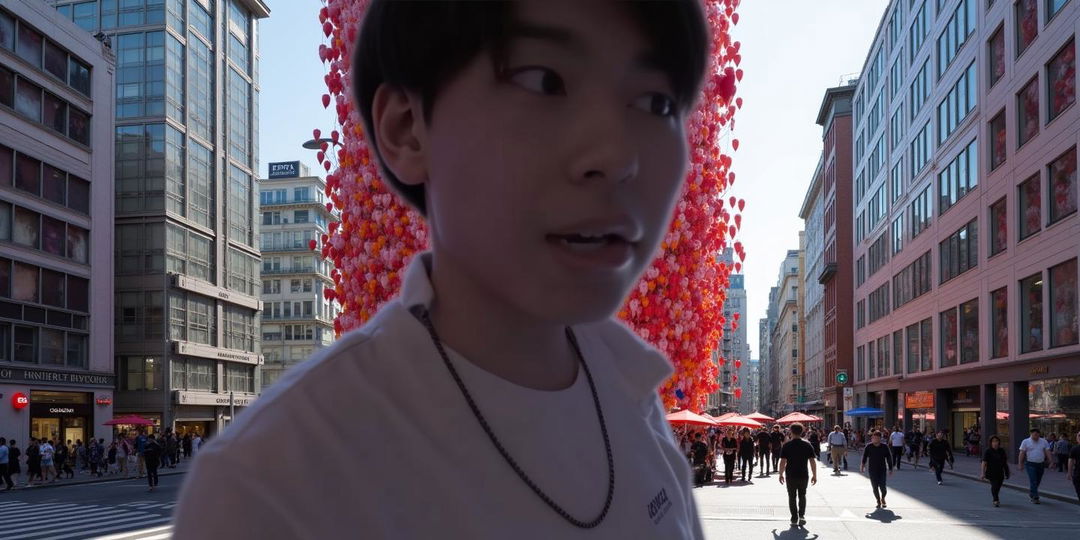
(1053, 7)
(1027, 24)
(27, 228)
(175, 179)
(140, 373)
(240, 222)
(56, 60)
(997, 56)
(239, 377)
(242, 272)
(997, 140)
(879, 302)
(879, 254)
(897, 352)
(920, 149)
(55, 113)
(200, 104)
(1031, 300)
(896, 179)
(28, 46)
(959, 252)
(999, 322)
(28, 174)
(1063, 305)
(948, 338)
(1030, 207)
(969, 331)
(1027, 107)
(1061, 81)
(140, 168)
(920, 212)
(960, 26)
(920, 88)
(898, 234)
(999, 227)
(927, 343)
(7, 31)
(913, 348)
(959, 177)
(919, 28)
(956, 106)
(28, 99)
(25, 340)
(140, 74)
(7, 87)
(1062, 174)
(860, 311)
(860, 363)
(860, 270)
(238, 117)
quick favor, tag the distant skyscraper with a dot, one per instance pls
(187, 262)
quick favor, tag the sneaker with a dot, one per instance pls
(996, 503)
(794, 521)
(939, 482)
(1037, 500)
(802, 520)
(883, 503)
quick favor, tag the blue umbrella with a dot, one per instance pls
(865, 411)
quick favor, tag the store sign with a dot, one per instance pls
(209, 289)
(62, 410)
(1040, 370)
(104, 400)
(62, 378)
(184, 397)
(285, 169)
(208, 351)
(919, 400)
(19, 400)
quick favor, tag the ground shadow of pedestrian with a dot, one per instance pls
(883, 515)
(795, 532)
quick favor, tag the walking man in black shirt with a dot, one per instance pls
(878, 456)
(777, 440)
(746, 454)
(794, 457)
(700, 451)
(940, 451)
(763, 452)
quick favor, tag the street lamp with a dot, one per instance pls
(316, 144)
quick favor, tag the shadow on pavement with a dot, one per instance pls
(884, 515)
(795, 532)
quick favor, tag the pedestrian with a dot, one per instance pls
(1034, 457)
(794, 456)
(33, 462)
(14, 468)
(111, 458)
(61, 458)
(5, 458)
(152, 459)
(815, 441)
(122, 457)
(746, 455)
(763, 449)
(1061, 452)
(838, 448)
(729, 446)
(1074, 465)
(81, 463)
(196, 444)
(776, 440)
(975, 439)
(48, 465)
(187, 446)
(896, 439)
(917, 446)
(878, 456)
(995, 467)
(940, 452)
(170, 449)
(97, 457)
(166, 452)
(140, 446)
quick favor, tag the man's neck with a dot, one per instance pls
(496, 336)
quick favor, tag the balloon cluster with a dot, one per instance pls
(678, 304)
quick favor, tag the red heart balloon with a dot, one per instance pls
(735, 144)
(315, 134)
(742, 203)
(735, 18)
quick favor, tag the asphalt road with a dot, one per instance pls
(843, 507)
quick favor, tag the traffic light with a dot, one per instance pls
(841, 377)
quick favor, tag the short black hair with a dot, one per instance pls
(796, 429)
(421, 46)
(1036, 430)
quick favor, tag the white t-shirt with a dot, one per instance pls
(1036, 451)
(373, 437)
(897, 438)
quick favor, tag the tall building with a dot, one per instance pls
(837, 273)
(785, 336)
(732, 347)
(297, 319)
(966, 231)
(187, 262)
(811, 395)
(764, 398)
(754, 385)
(56, 212)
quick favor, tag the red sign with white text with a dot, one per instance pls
(19, 400)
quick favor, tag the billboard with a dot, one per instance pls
(285, 169)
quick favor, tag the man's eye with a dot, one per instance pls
(656, 103)
(540, 80)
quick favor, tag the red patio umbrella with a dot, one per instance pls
(796, 417)
(760, 417)
(129, 420)
(725, 416)
(685, 417)
(740, 421)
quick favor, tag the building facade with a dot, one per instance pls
(56, 212)
(965, 242)
(754, 385)
(297, 319)
(837, 271)
(785, 336)
(811, 396)
(187, 258)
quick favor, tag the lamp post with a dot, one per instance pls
(316, 144)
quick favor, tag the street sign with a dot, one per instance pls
(849, 392)
(841, 377)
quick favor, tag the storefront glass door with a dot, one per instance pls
(45, 428)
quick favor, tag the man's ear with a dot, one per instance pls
(400, 133)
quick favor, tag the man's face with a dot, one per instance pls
(876, 439)
(1034, 435)
(553, 188)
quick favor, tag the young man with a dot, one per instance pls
(764, 459)
(940, 452)
(1061, 452)
(838, 448)
(152, 457)
(700, 452)
(1034, 457)
(776, 438)
(746, 455)
(48, 466)
(878, 456)
(896, 439)
(1074, 465)
(794, 456)
(5, 473)
(547, 157)
(917, 442)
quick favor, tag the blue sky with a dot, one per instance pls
(792, 50)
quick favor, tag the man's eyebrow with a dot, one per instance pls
(557, 35)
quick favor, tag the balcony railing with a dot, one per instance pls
(299, 270)
(282, 248)
(312, 317)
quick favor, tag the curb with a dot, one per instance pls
(103, 480)
(1042, 493)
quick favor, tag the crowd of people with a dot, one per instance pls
(136, 453)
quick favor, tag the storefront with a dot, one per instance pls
(60, 416)
(965, 412)
(56, 405)
(920, 406)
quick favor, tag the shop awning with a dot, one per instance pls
(868, 412)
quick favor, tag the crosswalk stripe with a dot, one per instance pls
(85, 527)
(82, 534)
(38, 509)
(36, 515)
(50, 522)
(167, 529)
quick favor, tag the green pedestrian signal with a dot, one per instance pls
(841, 378)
